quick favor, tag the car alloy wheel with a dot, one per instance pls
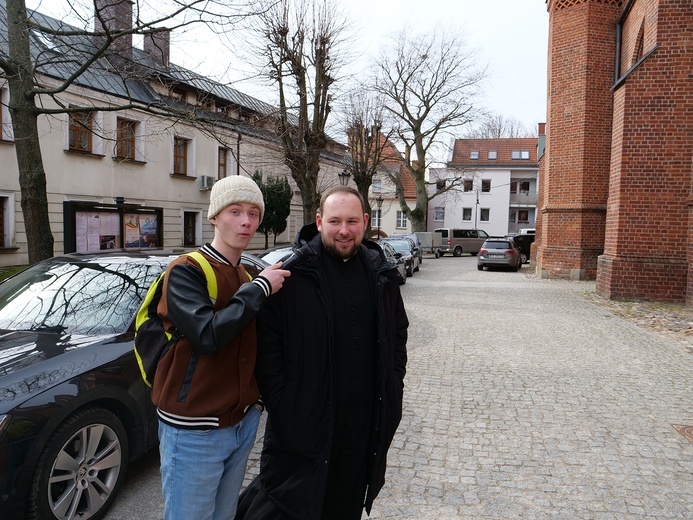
(81, 468)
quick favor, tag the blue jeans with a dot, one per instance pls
(202, 471)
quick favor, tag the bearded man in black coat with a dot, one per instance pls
(330, 366)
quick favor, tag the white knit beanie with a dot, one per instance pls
(234, 189)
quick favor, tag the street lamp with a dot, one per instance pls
(344, 177)
(379, 203)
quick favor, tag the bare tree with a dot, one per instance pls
(363, 116)
(496, 126)
(429, 83)
(301, 40)
(36, 73)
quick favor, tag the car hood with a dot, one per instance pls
(32, 361)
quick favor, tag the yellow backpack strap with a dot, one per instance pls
(207, 269)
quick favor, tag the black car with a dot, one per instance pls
(74, 410)
(524, 244)
(395, 257)
(406, 247)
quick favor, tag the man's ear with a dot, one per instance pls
(318, 221)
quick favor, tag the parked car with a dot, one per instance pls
(74, 410)
(458, 241)
(418, 250)
(405, 246)
(524, 244)
(499, 252)
(275, 254)
(395, 257)
(527, 231)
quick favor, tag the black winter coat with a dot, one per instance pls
(295, 375)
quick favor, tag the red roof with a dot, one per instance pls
(461, 154)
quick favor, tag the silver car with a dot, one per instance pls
(499, 252)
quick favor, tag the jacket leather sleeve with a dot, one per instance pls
(191, 311)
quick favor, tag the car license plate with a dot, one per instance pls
(496, 256)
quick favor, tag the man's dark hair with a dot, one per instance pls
(341, 189)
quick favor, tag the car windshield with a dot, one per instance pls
(403, 246)
(81, 297)
(272, 257)
(497, 244)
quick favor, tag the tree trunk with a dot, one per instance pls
(32, 176)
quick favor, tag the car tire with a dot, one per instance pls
(523, 258)
(480, 267)
(516, 268)
(416, 269)
(438, 254)
(78, 453)
(403, 280)
(457, 251)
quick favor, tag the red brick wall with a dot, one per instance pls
(647, 251)
(574, 186)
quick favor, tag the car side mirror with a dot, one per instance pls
(398, 255)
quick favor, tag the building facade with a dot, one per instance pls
(134, 179)
(492, 186)
(615, 201)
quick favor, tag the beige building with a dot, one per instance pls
(130, 179)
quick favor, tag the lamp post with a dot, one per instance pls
(379, 203)
(344, 177)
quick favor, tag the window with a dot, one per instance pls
(179, 93)
(5, 120)
(492, 155)
(519, 187)
(474, 154)
(439, 214)
(377, 185)
(6, 220)
(377, 214)
(126, 140)
(485, 186)
(222, 164)
(484, 215)
(401, 220)
(180, 155)
(468, 185)
(523, 216)
(189, 228)
(191, 221)
(440, 185)
(519, 154)
(467, 214)
(81, 124)
(512, 216)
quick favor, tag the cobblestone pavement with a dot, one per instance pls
(531, 398)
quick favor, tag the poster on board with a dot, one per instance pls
(141, 230)
(97, 231)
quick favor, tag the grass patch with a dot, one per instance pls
(6, 272)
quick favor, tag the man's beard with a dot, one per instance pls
(332, 250)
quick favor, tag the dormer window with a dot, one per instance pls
(474, 154)
(519, 155)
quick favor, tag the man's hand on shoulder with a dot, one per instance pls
(275, 275)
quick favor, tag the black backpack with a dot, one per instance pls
(151, 340)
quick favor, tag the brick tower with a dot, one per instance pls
(617, 177)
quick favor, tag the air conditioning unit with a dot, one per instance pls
(205, 182)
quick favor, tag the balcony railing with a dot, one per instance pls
(524, 198)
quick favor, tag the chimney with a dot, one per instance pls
(113, 16)
(542, 128)
(157, 46)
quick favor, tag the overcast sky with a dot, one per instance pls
(510, 36)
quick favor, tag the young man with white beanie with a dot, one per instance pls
(205, 391)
